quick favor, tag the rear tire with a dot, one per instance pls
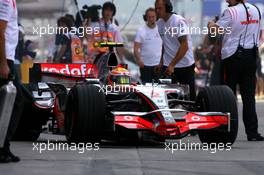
(85, 114)
(219, 99)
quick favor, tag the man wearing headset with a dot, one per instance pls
(147, 46)
(239, 57)
(107, 31)
(177, 60)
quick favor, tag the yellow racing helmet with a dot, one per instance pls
(119, 76)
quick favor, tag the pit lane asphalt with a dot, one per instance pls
(244, 158)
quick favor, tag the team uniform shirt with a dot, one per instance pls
(151, 45)
(102, 33)
(170, 31)
(242, 32)
(74, 51)
(8, 13)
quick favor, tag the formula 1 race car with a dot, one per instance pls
(95, 102)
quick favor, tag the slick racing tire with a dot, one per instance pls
(85, 114)
(219, 99)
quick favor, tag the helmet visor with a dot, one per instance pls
(121, 79)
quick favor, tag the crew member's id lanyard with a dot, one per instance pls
(102, 33)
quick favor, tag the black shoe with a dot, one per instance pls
(3, 157)
(13, 157)
(7, 156)
(256, 138)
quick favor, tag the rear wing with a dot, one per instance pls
(63, 71)
(110, 45)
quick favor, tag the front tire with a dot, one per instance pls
(85, 114)
(218, 99)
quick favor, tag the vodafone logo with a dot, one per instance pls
(128, 118)
(155, 95)
(75, 70)
(196, 118)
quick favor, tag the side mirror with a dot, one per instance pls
(165, 81)
(42, 87)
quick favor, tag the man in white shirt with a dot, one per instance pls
(239, 57)
(177, 60)
(8, 43)
(148, 47)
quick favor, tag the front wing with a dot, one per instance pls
(192, 121)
